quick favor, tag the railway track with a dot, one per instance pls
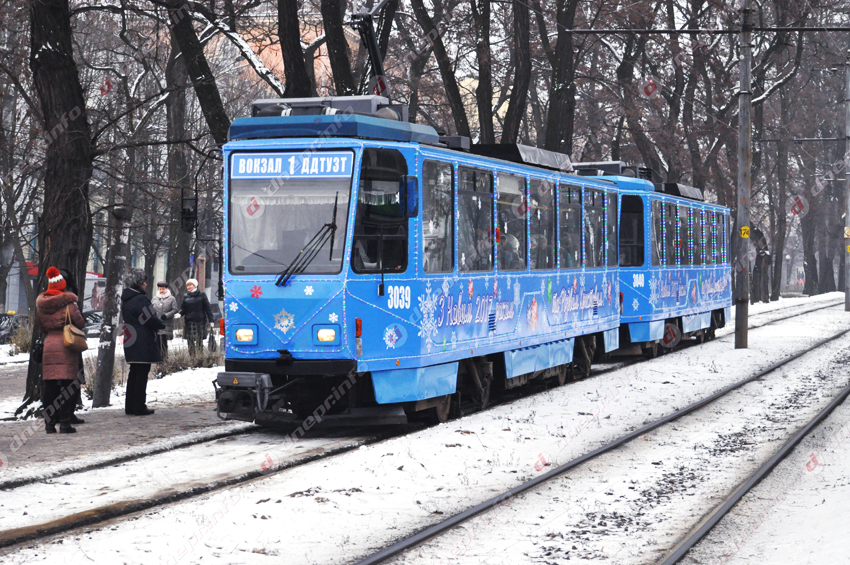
(404, 545)
(184, 492)
(710, 521)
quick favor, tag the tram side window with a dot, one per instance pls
(594, 229)
(684, 236)
(711, 245)
(542, 218)
(569, 209)
(612, 228)
(511, 211)
(380, 227)
(671, 235)
(699, 243)
(631, 232)
(657, 242)
(475, 220)
(438, 217)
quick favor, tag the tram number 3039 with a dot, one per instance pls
(399, 297)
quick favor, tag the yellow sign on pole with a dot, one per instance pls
(745, 232)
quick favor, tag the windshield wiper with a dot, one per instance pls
(306, 255)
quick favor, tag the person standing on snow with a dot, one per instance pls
(54, 310)
(166, 307)
(198, 315)
(140, 343)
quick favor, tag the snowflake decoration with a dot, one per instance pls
(446, 286)
(308, 291)
(391, 337)
(428, 306)
(635, 304)
(582, 282)
(653, 291)
(256, 291)
(454, 340)
(234, 307)
(542, 288)
(516, 294)
(333, 317)
(284, 321)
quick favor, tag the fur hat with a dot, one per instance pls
(55, 282)
(192, 281)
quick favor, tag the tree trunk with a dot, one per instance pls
(115, 260)
(179, 179)
(447, 71)
(517, 105)
(826, 252)
(199, 70)
(65, 229)
(562, 89)
(294, 68)
(484, 91)
(782, 190)
(332, 19)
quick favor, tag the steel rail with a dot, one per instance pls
(682, 549)
(448, 524)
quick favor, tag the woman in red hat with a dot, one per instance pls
(54, 309)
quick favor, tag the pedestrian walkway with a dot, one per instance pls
(106, 435)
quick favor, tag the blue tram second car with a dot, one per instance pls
(675, 272)
(376, 270)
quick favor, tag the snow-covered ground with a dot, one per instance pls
(798, 513)
(184, 387)
(338, 509)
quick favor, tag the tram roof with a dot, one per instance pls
(338, 125)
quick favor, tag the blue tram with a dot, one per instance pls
(675, 259)
(375, 270)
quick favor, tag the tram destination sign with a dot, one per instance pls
(303, 164)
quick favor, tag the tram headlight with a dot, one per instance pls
(326, 335)
(244, 334)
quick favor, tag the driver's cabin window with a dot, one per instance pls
(380, 226)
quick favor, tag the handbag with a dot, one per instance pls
(73, 337)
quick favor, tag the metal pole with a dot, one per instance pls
(745, 160)
(847, 184)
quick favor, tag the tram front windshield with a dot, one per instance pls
(278, 206)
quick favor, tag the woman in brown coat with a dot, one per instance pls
(55, 309)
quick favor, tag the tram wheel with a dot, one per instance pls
(561, 378)
(440, 413)
(585, 349)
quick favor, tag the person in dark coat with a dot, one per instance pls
(140, 345)
(166, 307)
(77, 400)
(198, 315)
(55, 309)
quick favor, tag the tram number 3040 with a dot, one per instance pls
(399, 297)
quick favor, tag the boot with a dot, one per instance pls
(75, 420)
(50, 428)
(65, 428)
